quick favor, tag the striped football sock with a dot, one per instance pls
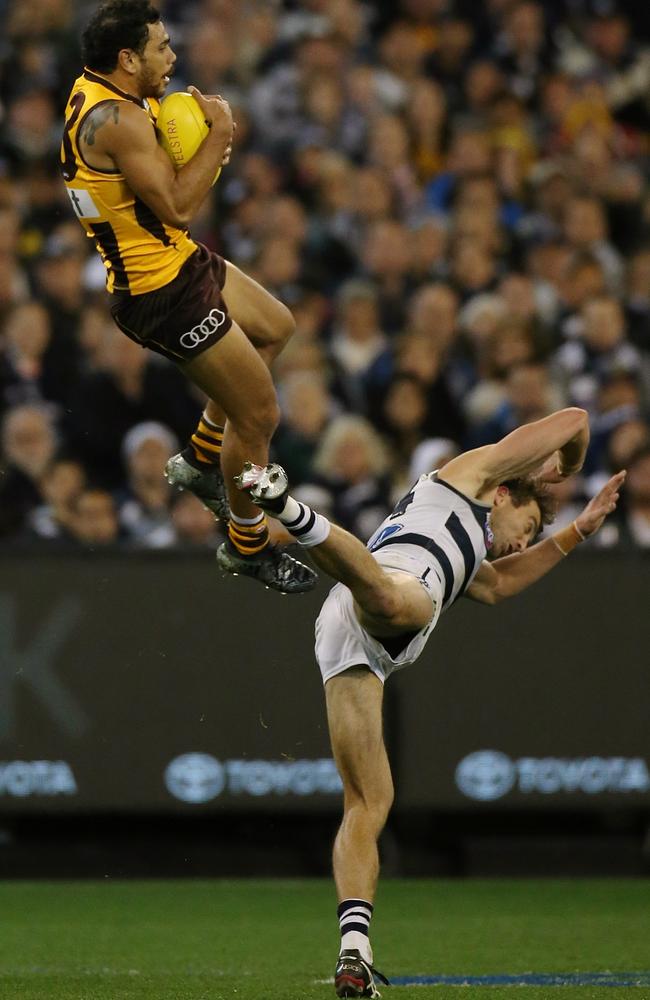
(306, 525)
(250, 536)
(205, 444)
(354, 920)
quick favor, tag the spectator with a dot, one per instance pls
(351, 465)
(585, 229)
(473, 268)
(430, 455)
(522, 50)
(569, 497)
(131, 386)
(307, 408)
(508, 345)
(601, 351)
(581, 279)
(143, 508)
(469, 153)
(637, 300)
(636, 523)
(483, 83)
(429, 244)
(387, 260)
(452, 198)
(529, 395)
(194, 526)
(357, 339)
(628, 437)
(405, 418)
(426, 117)
(14, 287)
(618, 402)
(61, 485)
(29, 442)
(94, 523)
(24, 377)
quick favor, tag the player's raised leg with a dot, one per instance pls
(233, 372)
(265, 320)
(386, 602)
(268, 325)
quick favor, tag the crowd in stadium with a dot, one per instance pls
(451, 197)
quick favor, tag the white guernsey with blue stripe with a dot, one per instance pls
(436, 534)
(438, 528)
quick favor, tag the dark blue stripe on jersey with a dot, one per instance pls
(297, 532)
(411, 538)
(480, 511)
(464, 543)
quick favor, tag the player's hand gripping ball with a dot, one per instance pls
(181, 128)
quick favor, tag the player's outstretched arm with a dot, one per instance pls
(174, 196)
(554, 446)
(510, 575)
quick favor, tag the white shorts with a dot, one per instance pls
(341, 642)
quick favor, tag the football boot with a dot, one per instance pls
(354, 977)
(206, 484)
(266, 485)
(273, 567)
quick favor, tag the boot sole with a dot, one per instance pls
(348, 986)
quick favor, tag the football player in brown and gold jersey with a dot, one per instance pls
(168, 292)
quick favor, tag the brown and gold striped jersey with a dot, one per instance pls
(140, 252)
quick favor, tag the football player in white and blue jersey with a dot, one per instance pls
(465, 530)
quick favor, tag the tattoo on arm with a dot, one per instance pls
(97, 118)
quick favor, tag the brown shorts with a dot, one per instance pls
(183, 318)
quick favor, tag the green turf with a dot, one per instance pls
(272, 940)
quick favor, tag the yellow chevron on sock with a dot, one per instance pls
(249, 539)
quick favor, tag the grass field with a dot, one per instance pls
(275, 940)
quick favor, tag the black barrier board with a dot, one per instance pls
(542, 701)
(142, 682)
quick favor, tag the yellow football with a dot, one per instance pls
(181, 128)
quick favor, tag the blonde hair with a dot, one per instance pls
(338, 431)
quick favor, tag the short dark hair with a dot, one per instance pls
(116, 25)
(527, 488)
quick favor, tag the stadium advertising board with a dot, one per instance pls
(146, 682)
(540, 702)
(149, 683)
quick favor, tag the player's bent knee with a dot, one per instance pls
(285, 326)
(275, 327)
(258, 421)
(372, 811)
(384, 605)
(381, 807)
(399, 607)
(376, 801)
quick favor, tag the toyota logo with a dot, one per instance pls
(204, 329)
(195, 777)
(485, 775)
